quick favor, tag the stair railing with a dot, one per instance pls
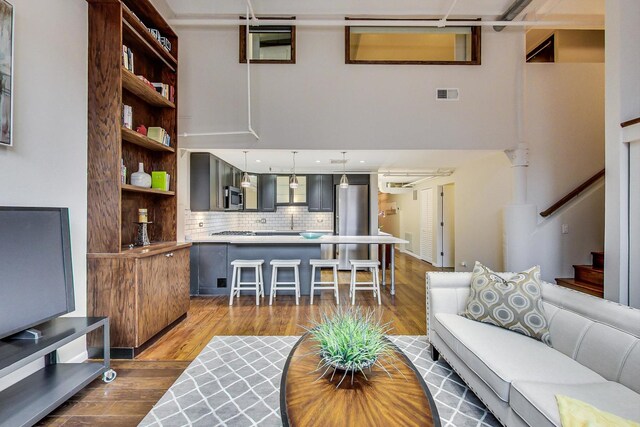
(579, 189)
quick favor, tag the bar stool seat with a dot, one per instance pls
(320, 264)
(276, 285)
(238, 285)
(370, 265)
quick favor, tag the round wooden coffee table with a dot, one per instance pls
(402, 399)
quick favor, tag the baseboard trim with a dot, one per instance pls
(404, 251)
(79, 358)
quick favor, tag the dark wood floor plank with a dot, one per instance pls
(142, 382)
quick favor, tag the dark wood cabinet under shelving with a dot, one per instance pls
(113, 205)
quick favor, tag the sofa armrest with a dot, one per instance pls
(446, 293)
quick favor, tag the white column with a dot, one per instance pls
(519, 217)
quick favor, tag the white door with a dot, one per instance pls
(426, 225)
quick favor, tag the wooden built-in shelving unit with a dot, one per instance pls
(136, 138)
(140, 89)
(120, 283)
(129, 187)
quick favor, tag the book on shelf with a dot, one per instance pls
(160, 135)
(167, 91)
(127, 58)
(160, 180)
(127, 116)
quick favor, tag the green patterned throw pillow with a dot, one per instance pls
(514, 304)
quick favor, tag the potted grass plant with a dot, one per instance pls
(351, 341)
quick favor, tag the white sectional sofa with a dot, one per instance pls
(595, 356)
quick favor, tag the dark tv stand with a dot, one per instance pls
(31, 399)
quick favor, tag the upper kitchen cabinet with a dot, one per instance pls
(206, 184)
(320, 193)
(291, 196)
(267, 193)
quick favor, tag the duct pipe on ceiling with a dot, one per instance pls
(514, 10)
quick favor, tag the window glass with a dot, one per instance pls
(282, 189)
(413, 45)
(300, 193)
(268, 43)
(251, 194)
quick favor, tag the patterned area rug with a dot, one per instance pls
(235, 381)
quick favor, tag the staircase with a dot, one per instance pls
(587, 278)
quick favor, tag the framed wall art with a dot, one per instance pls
(6, 72)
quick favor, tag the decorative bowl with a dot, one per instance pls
(309, 235)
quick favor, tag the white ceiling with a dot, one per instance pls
(318, 8)
(358, 161)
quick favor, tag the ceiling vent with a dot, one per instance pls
(447, 94)
(338, 161)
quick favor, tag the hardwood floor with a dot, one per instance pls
(143, 381)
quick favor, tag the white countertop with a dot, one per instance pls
(329, 239)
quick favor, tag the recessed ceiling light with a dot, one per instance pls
(317, 161)
(258, 161)
(361, 161)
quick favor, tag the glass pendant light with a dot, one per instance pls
(293, 181)
(246, 181)
(344, 182)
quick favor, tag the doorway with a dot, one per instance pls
(446, 257)
(426, 225)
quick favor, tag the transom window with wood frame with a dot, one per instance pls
(269, 44)
(380, 44)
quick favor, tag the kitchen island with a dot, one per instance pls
(211, 258)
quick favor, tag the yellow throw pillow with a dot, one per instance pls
(575, 413)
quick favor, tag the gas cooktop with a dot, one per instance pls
(234, 233)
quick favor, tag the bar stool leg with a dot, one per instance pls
(272, 292)
(313, 282)
(297, 280)
(233, 285)
(261, 281)
(335, 284)
(377, 284)
(257, 282)
(352, 287)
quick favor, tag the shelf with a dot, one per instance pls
(138, 30)
(133, 188)
(149, 95)
(29, 400)
(62, 330)
(133, 137)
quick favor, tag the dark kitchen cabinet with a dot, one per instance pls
(267, 193)
(320, 193)
(205, 186)
(211, 276)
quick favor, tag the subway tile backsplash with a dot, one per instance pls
(213, 222)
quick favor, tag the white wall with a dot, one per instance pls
(47, 166)
(322, 103)
(564, 128)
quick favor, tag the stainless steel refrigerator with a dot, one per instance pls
(352, 219)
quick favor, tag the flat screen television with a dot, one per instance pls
(36, 279)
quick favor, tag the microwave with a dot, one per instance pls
(232, 198)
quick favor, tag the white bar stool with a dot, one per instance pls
(276, 285)
(320, 264)
(370, 265)
(238, 285)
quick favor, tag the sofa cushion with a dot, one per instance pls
(499, 356)
(514, 304)
(535, 402)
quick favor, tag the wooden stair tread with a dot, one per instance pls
(587, 273)
(586, 287)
